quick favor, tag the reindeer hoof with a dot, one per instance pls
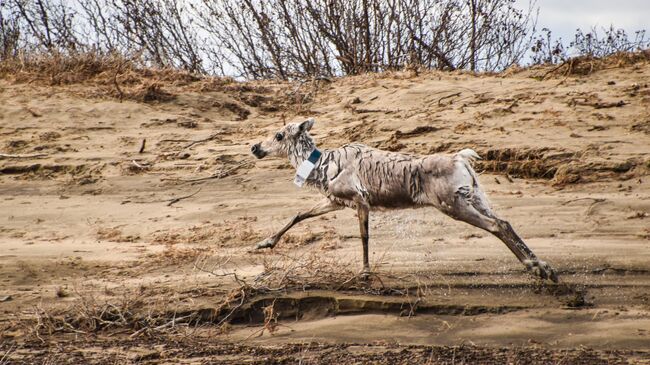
(542, 270)
(267, 243)
(365, 274)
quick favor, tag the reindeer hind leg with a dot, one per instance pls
(474, 209)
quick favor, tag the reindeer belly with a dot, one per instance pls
(382, 179)
(391, 199)
(395, 185)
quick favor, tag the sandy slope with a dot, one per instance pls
(566, 162)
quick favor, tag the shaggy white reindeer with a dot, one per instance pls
(363, 178)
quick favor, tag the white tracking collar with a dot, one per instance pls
(306, 167)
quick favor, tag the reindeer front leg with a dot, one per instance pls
(324, 206)
(363, 213)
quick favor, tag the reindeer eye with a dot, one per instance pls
(279, 136)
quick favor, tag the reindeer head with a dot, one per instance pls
(292, 141)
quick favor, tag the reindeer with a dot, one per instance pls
(364, 178)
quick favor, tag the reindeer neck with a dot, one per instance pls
(301, 151)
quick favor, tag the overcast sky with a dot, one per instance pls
(563, 17)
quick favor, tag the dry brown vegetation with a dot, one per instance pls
(290, 39)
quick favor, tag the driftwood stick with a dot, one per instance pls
(144, 142)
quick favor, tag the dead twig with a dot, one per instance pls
(171, 324)
(223, 274)
(5, 358)
(364, 111)
(555, 69)
(592, 205)
(141, 167)
(144, 141)
(138, 332)
(176, 200)
(447, 97)
(36, 155)
(214, 136)
(218, 175)
(169, 201)
(174, 140)
(595, 200)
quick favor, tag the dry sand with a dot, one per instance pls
(85, 218)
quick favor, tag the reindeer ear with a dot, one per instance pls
(306, 125)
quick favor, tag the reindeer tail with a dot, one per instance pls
(468, 155)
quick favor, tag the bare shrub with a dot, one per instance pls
(291, 39)
(48, 25)
(612, 41)
(545, 49)
(587, 45)
(9, 36)
(159, 32)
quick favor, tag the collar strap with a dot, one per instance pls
(306, 167)
(314, 156)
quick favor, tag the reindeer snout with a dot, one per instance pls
(256, 149)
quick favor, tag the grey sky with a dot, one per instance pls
(563, 17)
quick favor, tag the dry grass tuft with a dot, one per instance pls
(328, 239)
(560, 166)
(174, 255)
(114, 234)
(239, 231)
(187, 244)
(586, 65)
(113, 76)
(526, 163)
(150, 92)
(58, 69)
(574, 172)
